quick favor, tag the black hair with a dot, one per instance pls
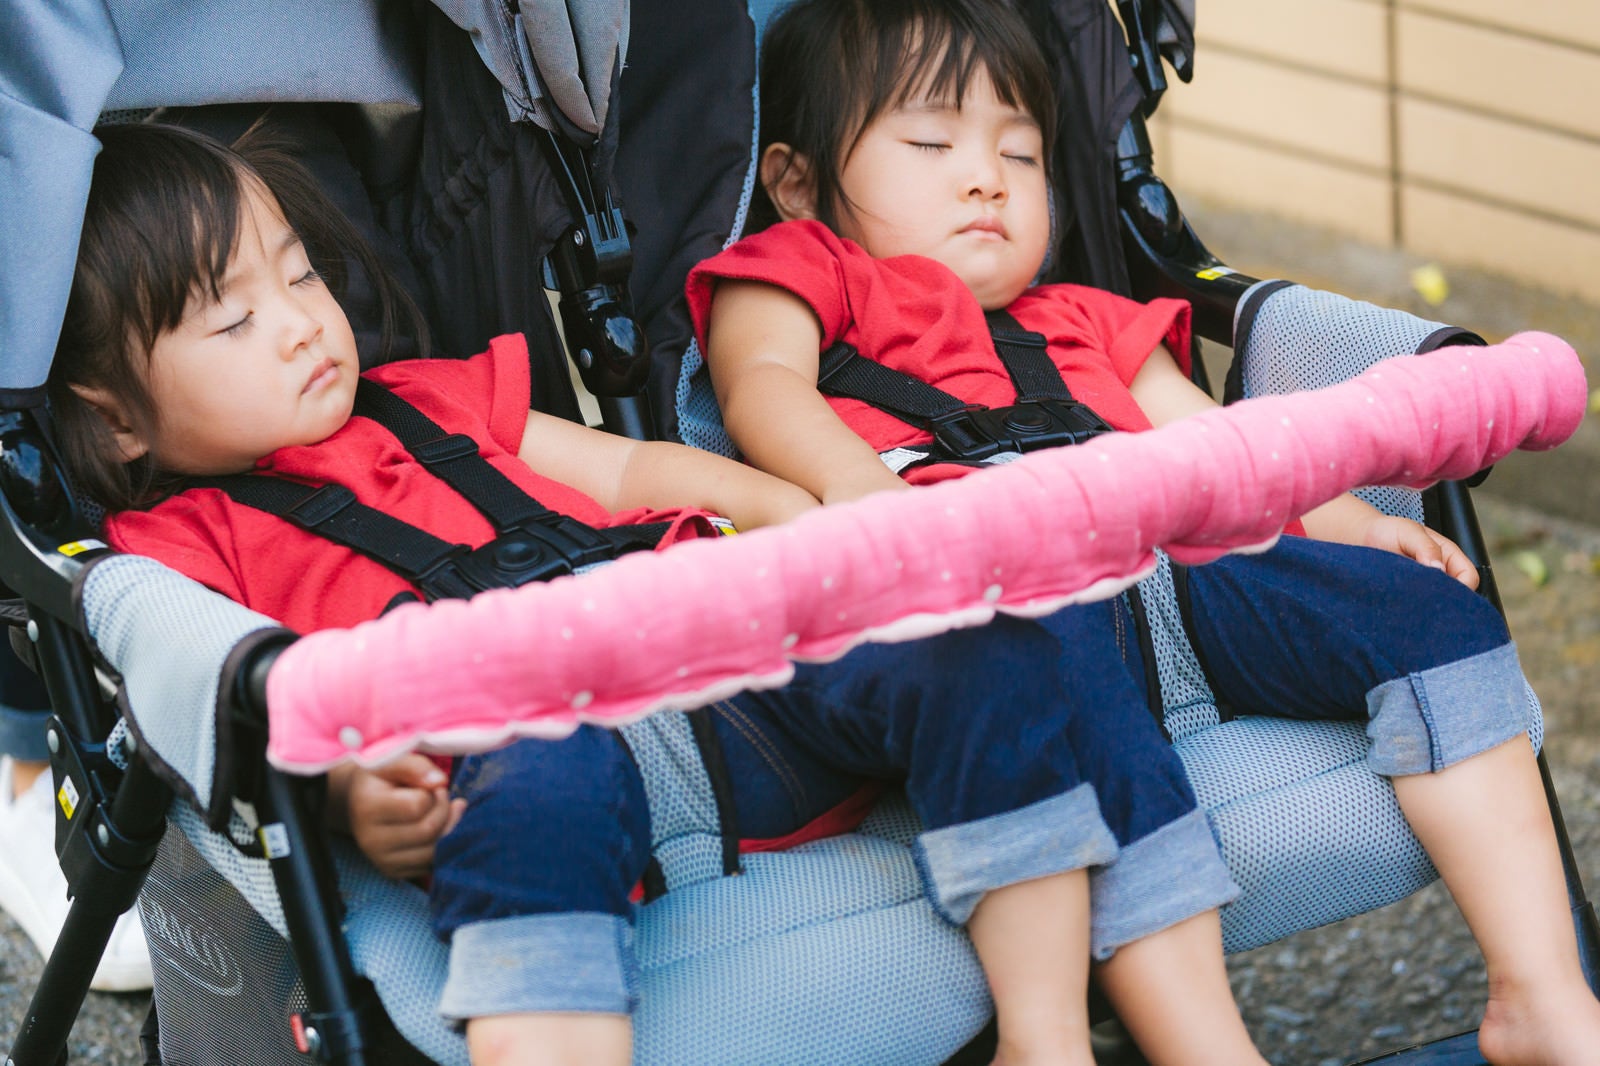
(163, 214)
(830, 67)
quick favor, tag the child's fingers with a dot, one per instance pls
(390, 805)
(1456, 563)
(414, 770)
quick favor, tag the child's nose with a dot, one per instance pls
(988, 180)
(303, 328)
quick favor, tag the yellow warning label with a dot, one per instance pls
(1213, 273)
(78, 547)
(67, 796)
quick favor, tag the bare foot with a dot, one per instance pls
(1551, 1029)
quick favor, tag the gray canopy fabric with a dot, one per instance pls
(556, 60)
(57, 65)
(63, 63)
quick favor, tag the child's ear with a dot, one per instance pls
(130, 442)
(786, 176)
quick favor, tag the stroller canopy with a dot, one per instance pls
(63, 65)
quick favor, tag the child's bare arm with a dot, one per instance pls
(1349, 519)
(621, 473)
(762, 351)
(1166, 394)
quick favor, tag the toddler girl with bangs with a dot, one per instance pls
(904, 160)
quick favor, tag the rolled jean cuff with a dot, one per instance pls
(571, 962)
(1158, 880)
(1430, 720)
(959, 864)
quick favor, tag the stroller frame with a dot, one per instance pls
(108, 843)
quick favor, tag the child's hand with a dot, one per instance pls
(397, 813)
(1416, 541)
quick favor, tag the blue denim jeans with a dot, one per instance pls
(1322, 631)
(979, 726)
(1307, 630)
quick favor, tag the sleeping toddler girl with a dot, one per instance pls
(905, 165)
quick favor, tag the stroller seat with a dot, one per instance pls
(824, 951)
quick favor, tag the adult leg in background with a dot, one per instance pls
(32, 888)
(1323, 631)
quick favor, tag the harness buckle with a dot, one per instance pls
(976, 433)
(961, 434)
(539, 550)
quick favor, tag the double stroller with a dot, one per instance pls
(492, 148)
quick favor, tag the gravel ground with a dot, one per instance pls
(1328, 996)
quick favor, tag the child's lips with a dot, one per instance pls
(986, 227)
(325, 374)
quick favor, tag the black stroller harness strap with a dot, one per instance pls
(531, 543)
(1045, 414)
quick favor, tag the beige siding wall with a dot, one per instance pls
(1464, 130)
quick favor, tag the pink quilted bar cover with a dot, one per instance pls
(711, 617)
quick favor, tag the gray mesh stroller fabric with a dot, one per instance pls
(1290, 338)
(683, 813)
(168, 638)
(1309, 833)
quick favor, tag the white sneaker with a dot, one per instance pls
(33, 889)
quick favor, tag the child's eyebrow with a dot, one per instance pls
(1015, 116)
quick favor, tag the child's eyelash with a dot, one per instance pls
(1025, 160)
(240, 327)
(929, 146)
(311, 276)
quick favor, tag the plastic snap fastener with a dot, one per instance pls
(351, 737)
(1025, 421)
(516, 555)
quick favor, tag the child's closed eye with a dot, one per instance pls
(929, 146)
(239, 328)
(312, 276)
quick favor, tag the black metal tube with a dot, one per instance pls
(628, 416)
(303, 870)
(67, 670)
(1165, 257)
